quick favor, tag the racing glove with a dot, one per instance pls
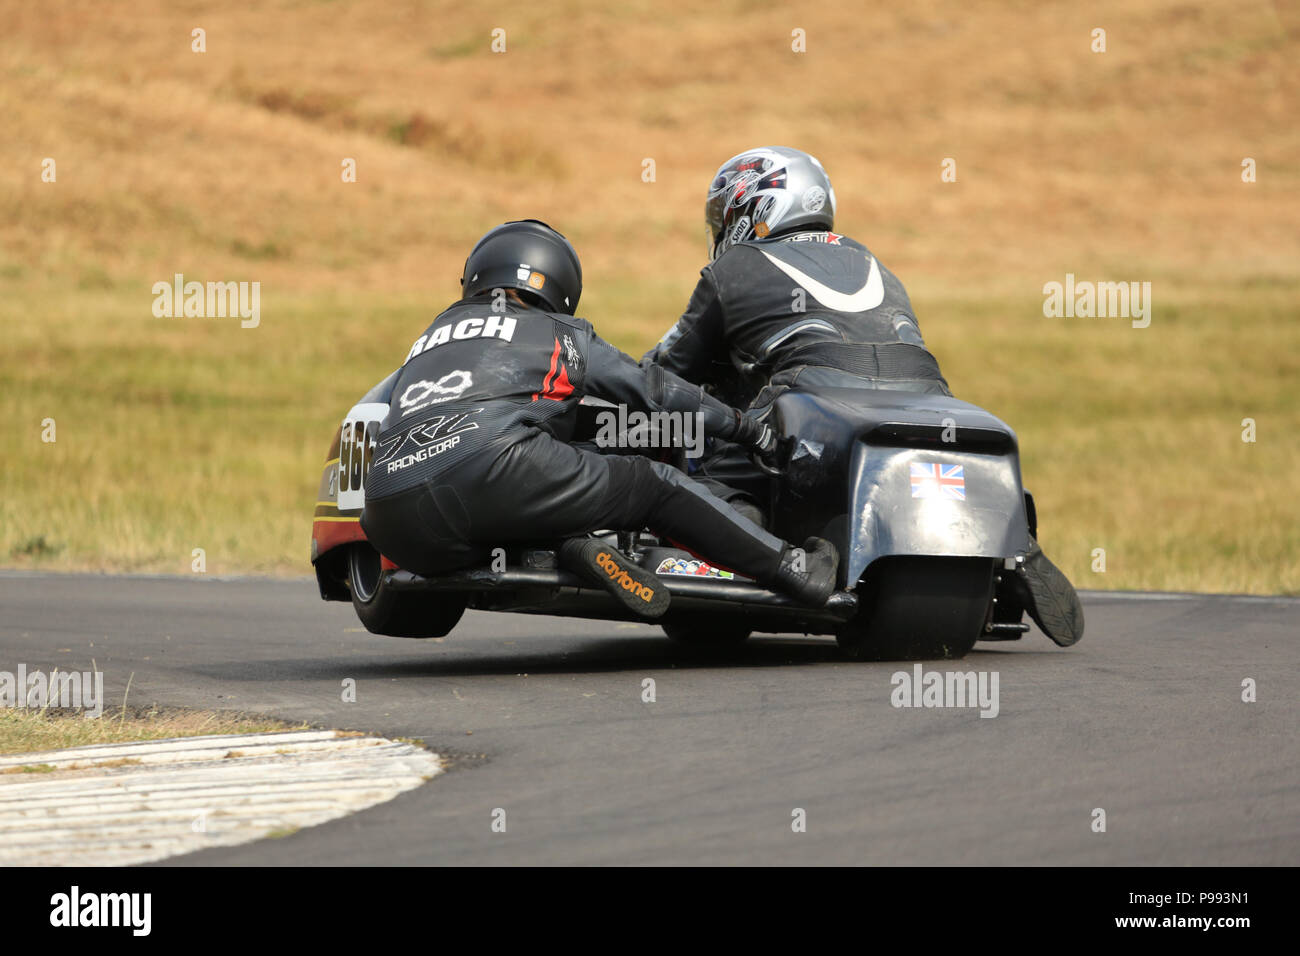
(754, 434)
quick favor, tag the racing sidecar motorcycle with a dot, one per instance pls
(920, 493)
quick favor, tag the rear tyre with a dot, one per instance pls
(698, 634)
(397, 613)
(919, 608)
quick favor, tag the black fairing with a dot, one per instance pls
(850, 455)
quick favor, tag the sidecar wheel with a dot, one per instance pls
(919, 608)
(396, 613)
(697, 634)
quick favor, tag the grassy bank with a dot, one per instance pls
(33, 731)
(181, 434)
(176, 434)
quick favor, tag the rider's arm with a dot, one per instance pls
(696, 340)
(616, 377)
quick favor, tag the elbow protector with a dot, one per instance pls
(670, 393)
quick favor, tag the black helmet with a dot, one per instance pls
(528, 255)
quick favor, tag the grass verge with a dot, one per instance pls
(33, 731)
(182, 434)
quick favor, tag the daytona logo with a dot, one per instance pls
(623, 579)
(493, 327)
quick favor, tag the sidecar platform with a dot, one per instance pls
(554, 591)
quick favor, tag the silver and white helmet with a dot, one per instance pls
(764, 191)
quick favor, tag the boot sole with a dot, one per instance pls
(637, 589)
(1055, 607)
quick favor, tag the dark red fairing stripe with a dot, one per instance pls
(330, 534)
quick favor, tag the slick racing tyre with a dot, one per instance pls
(919, 608)
(397, 613)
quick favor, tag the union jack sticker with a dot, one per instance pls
(933, 479)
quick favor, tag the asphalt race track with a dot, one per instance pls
(544, 718)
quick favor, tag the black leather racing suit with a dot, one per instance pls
(812, 308)
(474, 452)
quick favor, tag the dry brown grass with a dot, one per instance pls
(1065, 156)
(33, 731)
(225, 165)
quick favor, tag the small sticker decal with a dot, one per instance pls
(740, 230)
(694, 567)
(933, 479)
(571, 352)
(814, 198)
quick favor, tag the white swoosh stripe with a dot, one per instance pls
(868, 297)
(814, 324)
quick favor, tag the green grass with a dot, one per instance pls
(33, 731)
(176, 434)
(1131, 439)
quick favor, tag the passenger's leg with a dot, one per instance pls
(730, 474)
(541, 489)
(414, 530)
(558, 491)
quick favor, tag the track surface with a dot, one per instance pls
(543, 717)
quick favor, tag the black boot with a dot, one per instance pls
(807, 574)
(637, 589)
(1049, 597)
